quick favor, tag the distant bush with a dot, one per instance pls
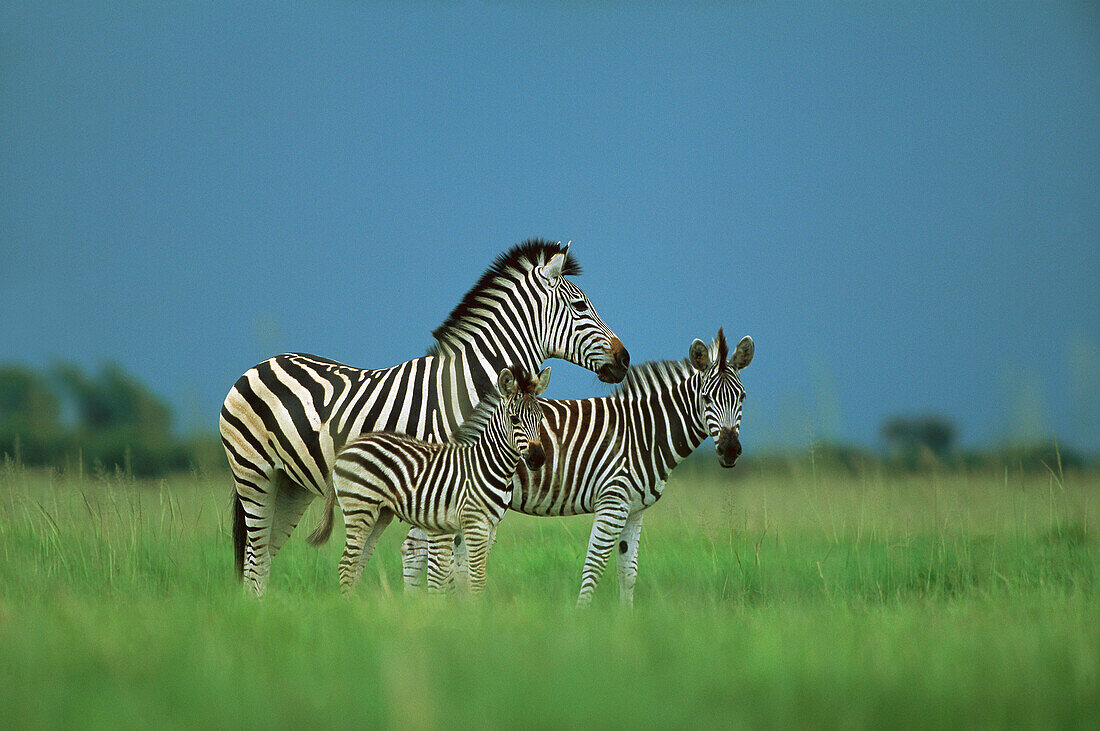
(108, 421)
(917, 440)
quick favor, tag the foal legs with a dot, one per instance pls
(363, 525)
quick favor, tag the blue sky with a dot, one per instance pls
(901, 203)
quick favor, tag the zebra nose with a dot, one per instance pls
(535, 456)
(728, 447)
(615, 370)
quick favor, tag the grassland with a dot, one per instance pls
(794, 599)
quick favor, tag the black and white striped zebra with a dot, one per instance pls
(465, 485)
(611, 455)
(284, 420)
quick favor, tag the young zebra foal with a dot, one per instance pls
(462, 486)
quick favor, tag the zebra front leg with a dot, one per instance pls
(462, 564)
(628, 558)
(363, 525)
(441, 563)
(414, 559)
(611, 513)
(475, 535)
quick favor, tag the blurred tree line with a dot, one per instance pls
(915, 443)
(110, 422)
(106, 421)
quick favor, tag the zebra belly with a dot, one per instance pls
(547, 498)
(425, 508)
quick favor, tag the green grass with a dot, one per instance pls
(794, 599)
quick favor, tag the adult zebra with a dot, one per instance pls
(611, 455)
(464, 485)
(284, 419)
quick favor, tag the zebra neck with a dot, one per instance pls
(677, 429)
(492, 461)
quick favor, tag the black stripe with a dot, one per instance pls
(303, 427)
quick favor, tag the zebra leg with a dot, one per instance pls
(476, 537)
(462, 565)
(611, 513)
(462, 559)
(414, 559)
(441, 563)
(256, 494)
(360, 536)
(628, 557)
(291, 501)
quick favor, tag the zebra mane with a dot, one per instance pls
(519, 259)
(472, 428)
(650, 377)
(723, 351)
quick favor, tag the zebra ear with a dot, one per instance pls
(551, 270)
(544, 381)
(506, 383)
(743, 355)
(699, 355)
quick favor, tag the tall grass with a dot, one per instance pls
(806, 598)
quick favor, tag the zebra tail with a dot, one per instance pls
(238, 534)
(323, 531)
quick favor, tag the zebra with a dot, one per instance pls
(465, 485)
(611, 455)
(284, 419)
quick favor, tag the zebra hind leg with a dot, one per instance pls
(363, 524)
(253, 511)
(291, 501)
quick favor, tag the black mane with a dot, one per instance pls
(649, 377)
(723, 351)
(520, 258)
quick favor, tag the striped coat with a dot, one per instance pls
(465, 485)
(611, 456)
(284, 419)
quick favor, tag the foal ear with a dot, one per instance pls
(743, 355)
(551, 270)
(699, 355)
(544, 381)
(506, 383)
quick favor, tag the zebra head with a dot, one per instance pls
(720, 392)
(573, 330)
(522, 412)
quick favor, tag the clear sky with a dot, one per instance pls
(899, 201)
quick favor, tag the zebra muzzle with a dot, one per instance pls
(614, 371)
(729, 447)
(535, 456)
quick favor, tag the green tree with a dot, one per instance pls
(915, 437)
(30, 416)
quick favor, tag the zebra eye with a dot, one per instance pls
(579, 305)
(707, 399)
